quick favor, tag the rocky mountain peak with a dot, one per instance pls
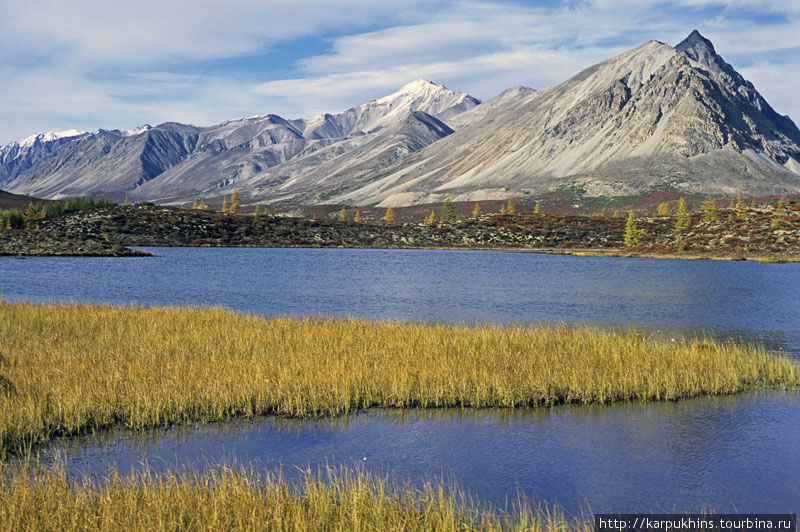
(423, 95)
(419, 86)
(695, 44)
(701, 51)
(48, 137)
(655, 116)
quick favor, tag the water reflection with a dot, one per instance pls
(735, 452)
(729, 453)
(453, 286)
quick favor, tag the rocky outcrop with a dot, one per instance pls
(165, 226)
(54, 243)
(758, 232)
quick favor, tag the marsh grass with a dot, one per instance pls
(239, 500)
(72, 369)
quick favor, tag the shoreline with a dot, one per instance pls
(117, 230)
(133, 251)
(140, 367)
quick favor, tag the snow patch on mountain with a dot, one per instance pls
(47, 137)
(137, 131)
(419, 95)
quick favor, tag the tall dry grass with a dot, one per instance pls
(76, 368)
(235, 500)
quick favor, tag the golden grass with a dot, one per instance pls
(232, 500)
(680, 256)
(69, 369)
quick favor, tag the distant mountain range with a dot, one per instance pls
(653, 117)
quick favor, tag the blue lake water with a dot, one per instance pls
(723, 453)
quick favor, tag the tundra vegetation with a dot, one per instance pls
(779, 218)
(709, 210)
(476, 211)
(448, 211)
(72, 369)
(245, 500)
(512, 206)
(633, 235)
(17, 218)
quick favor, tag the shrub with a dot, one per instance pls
(12, 219)
(633, 235)
(448, 211)
(709, 210)
(682, 220)
(512, 207)
(234, 208)
(741, 207)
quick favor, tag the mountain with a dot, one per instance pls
(504, 100)
(176, 162)
(315, 177)
(656, 116)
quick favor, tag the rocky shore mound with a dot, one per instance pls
(763, 231)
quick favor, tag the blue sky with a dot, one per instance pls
(88, 64)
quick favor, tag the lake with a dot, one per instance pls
(723, 453)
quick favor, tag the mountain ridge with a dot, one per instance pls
(649, 117)
(654, 116)
(116, 164)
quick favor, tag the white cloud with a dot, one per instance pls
(483, 76)
(482, 48)
(152, 31)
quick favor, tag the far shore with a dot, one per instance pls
(765, 234)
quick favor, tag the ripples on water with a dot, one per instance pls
(729, 453)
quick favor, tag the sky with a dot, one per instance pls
(90, 64)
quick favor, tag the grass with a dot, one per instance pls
(682, 256)
(236, 500)
(70, 369)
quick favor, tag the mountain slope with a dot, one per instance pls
(504, 100)
(320, 174)
(654, 116)
(177, 162)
